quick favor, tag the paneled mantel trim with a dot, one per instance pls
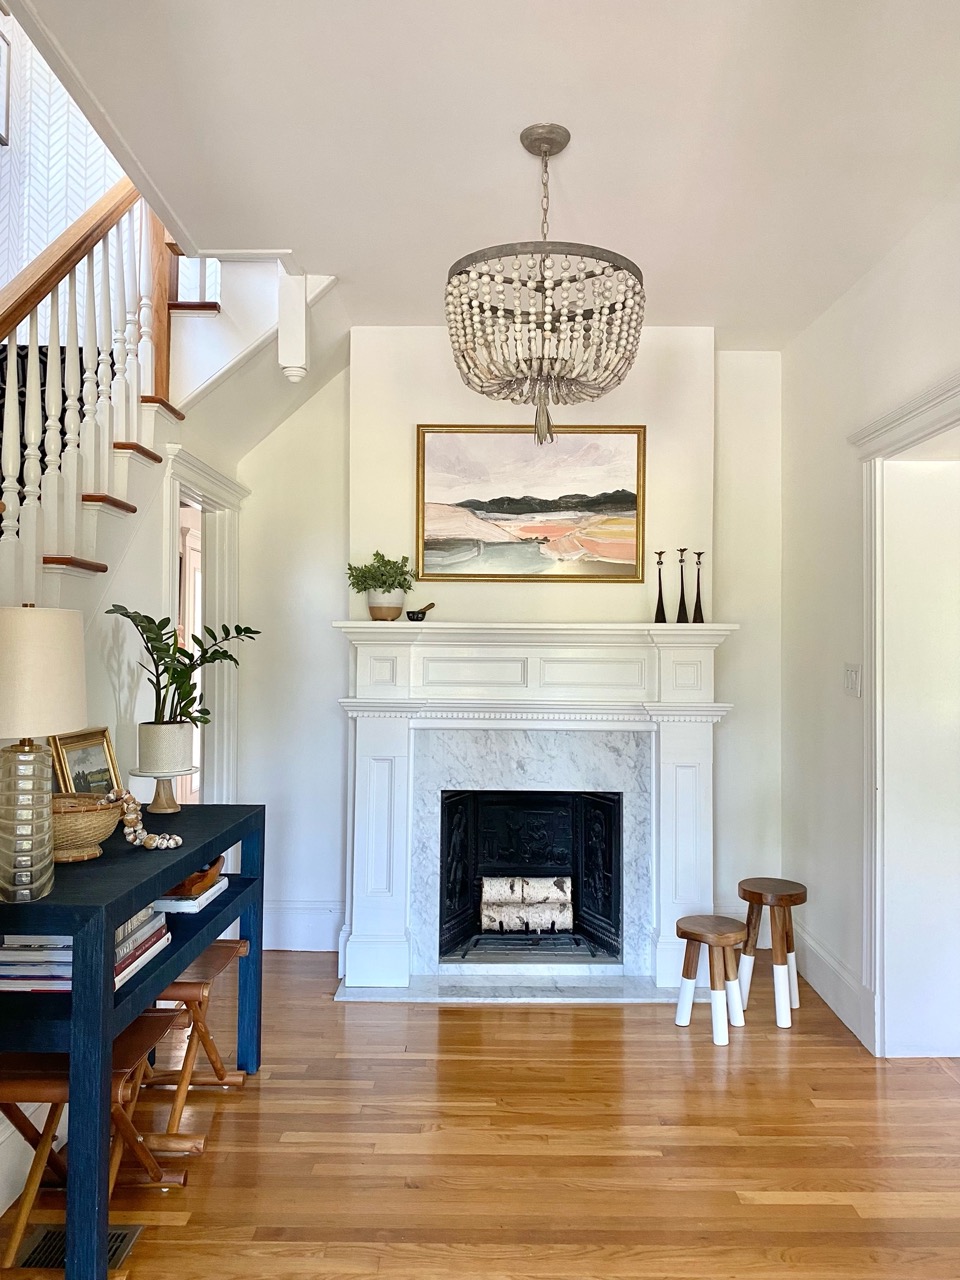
(632, 677)
(430, 714)
(620, 669)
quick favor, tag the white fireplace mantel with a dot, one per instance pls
(621, 677)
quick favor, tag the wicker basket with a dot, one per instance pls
(80, 822)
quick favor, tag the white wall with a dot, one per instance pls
(921, 758)
(293, 734)
(400, 377)
(892, 335)
(200, 345)
(746, 589)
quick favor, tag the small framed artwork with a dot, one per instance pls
(85, 761)
(4, 91)
(493, 504)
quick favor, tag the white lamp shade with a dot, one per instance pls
(43, 686)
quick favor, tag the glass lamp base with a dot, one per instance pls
(26, 822)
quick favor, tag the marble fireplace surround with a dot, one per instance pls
(625, 707)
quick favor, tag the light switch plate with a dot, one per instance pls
(853, 679)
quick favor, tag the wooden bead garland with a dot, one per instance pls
(134, 831)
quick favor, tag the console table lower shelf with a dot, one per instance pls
(89, 902)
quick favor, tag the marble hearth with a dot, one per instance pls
(608, 707)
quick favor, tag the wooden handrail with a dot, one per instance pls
(28, 289)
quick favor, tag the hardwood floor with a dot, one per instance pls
(420, 1143)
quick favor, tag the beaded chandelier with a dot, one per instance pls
(544, 320)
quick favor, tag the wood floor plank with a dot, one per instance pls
(415, 1142)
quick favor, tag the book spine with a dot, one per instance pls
(140, 962)
(146, 930)
(141, 949)
(133, 924)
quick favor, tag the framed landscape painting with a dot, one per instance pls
(493, 504)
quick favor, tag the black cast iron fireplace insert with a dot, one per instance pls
(531, 833)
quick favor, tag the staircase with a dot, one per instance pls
(83, 433)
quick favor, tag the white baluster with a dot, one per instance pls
(31, 523)
(50, 485)
(146, 349)
(132, 291)
(202, 280)
(70, 462)
(10, 579)
(104, 405)
(89, 427)
(119, 391)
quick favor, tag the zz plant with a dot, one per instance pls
(173, 671)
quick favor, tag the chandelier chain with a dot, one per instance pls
(545, 198)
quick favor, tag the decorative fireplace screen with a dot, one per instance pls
(546, 836)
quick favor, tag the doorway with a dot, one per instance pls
(202, 588)
(913, 737)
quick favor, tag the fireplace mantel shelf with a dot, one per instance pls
(566, 634)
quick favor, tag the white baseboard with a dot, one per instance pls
(836, 984)
(302, 926)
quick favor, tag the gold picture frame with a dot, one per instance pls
(602, 542)
(86, 758)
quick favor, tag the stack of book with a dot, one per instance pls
(36, 962)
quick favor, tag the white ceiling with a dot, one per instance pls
(755, 157)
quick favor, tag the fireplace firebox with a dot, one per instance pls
(531, 834)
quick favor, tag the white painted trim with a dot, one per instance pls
(835, 982)
(873, 848)
(933, 411)
(208, 484)
(219, 498)
(302, 926)
(928, 414)
(255, 347)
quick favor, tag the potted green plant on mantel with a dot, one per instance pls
(165, 743)
(385, 582)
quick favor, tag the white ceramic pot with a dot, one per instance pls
(385, 606)
(164, 748)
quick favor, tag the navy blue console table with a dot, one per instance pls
(90, 901)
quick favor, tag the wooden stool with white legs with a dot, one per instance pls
(721, 935)
(781, 896)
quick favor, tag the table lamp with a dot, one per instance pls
(43, 691)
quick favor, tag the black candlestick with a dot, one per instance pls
(698, 607)
(682, 606)
(661, 614)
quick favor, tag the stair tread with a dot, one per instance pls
(108, 500)
(141, 450)
(75, 562)
(164, 404)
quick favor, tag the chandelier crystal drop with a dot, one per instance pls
(544, 320)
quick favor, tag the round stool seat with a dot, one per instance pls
(713, 931)
(768, 891)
